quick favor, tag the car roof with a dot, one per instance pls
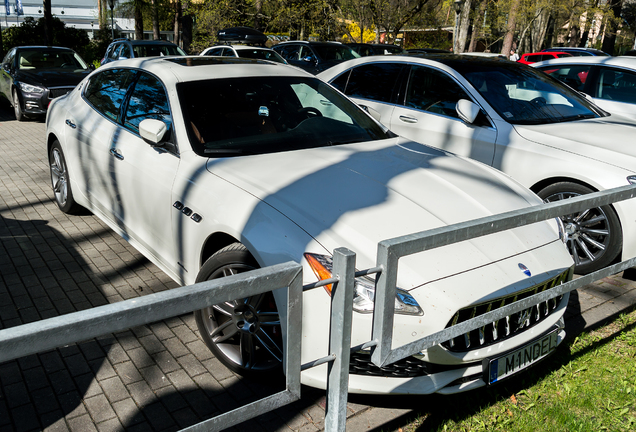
(442, 61)
(30, 47)
(195, 68)
(311, 43)
(590, 50)
(622, 61)
(144, 42)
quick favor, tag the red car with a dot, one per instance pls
(541, 56)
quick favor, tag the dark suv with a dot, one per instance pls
(314, 57)
(121, 49)
(30, 76)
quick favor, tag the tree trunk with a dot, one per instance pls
(155, 20)
(609, 38)
(575, 29)
(139, 21)
(512, 25)
(177, 21)
(464, 24)
(48, 23)
(477, 25)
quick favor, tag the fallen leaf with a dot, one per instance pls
(513, 399)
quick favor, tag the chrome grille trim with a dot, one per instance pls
(512, 324)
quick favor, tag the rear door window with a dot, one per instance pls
(106, 91)
(364, 82)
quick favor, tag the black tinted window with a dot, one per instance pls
(106, 91)
(434, 91)
(147, 101)
(616, 85)
(374, 81)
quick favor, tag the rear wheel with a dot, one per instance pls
(594, 236)
(244, 334)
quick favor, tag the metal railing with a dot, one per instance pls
(79, 326)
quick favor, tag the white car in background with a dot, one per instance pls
(244, 51)
(512, 117)
(609, 81)
(213, 166)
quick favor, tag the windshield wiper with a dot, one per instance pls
(576, 117)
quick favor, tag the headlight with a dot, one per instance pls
(631, 179)
(364, 290)
(28, 88)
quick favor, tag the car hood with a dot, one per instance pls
(607, 139)
(357, 195)
(52, 78)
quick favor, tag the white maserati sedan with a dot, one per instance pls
(517, 119)
(212, 166)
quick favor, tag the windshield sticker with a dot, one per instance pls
(508, 114)
(263, 111)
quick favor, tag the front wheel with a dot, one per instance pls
(595, 237)
(243, 334)
(17, 108)
(60, 181)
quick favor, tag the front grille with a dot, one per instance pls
(509, 326)
(360, 364)
(59, 91)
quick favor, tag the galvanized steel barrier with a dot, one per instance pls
(79, 326)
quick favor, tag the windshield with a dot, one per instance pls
(261, 54)
(50, 59)
(522, 95)
(242, 116)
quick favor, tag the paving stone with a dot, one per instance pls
(114, 389)
(99, 408)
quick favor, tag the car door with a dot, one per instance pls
(95, 132)
(145, 173)
(361, 85)
(428, 114)
(614, 90)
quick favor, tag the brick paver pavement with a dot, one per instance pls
(158, 377)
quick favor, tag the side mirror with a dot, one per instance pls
(6, 67)
(467, 110)
(152, 130)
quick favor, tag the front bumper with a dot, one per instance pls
(38, 103)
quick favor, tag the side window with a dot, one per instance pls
(147, 101)
(125, 51)
(215, 52)
(290, 52)
(114, 54)
(106, 91)
(617, 85)
(574, 76)
(307, 53)
(341, 81)
(364, 81)
(433, 91)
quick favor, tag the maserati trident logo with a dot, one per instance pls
(525, 270)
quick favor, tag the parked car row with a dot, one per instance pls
(217, 164)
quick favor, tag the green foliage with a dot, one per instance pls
(31, 32)
(440, 39)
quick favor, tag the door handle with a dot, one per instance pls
(70, 123)
(116, 153)
(406, 119)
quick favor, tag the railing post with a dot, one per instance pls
(340, 339)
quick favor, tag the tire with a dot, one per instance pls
(17, 107)
(60, 181)
(243, 334)
(595, 237)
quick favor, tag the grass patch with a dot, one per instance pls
(589, 384)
